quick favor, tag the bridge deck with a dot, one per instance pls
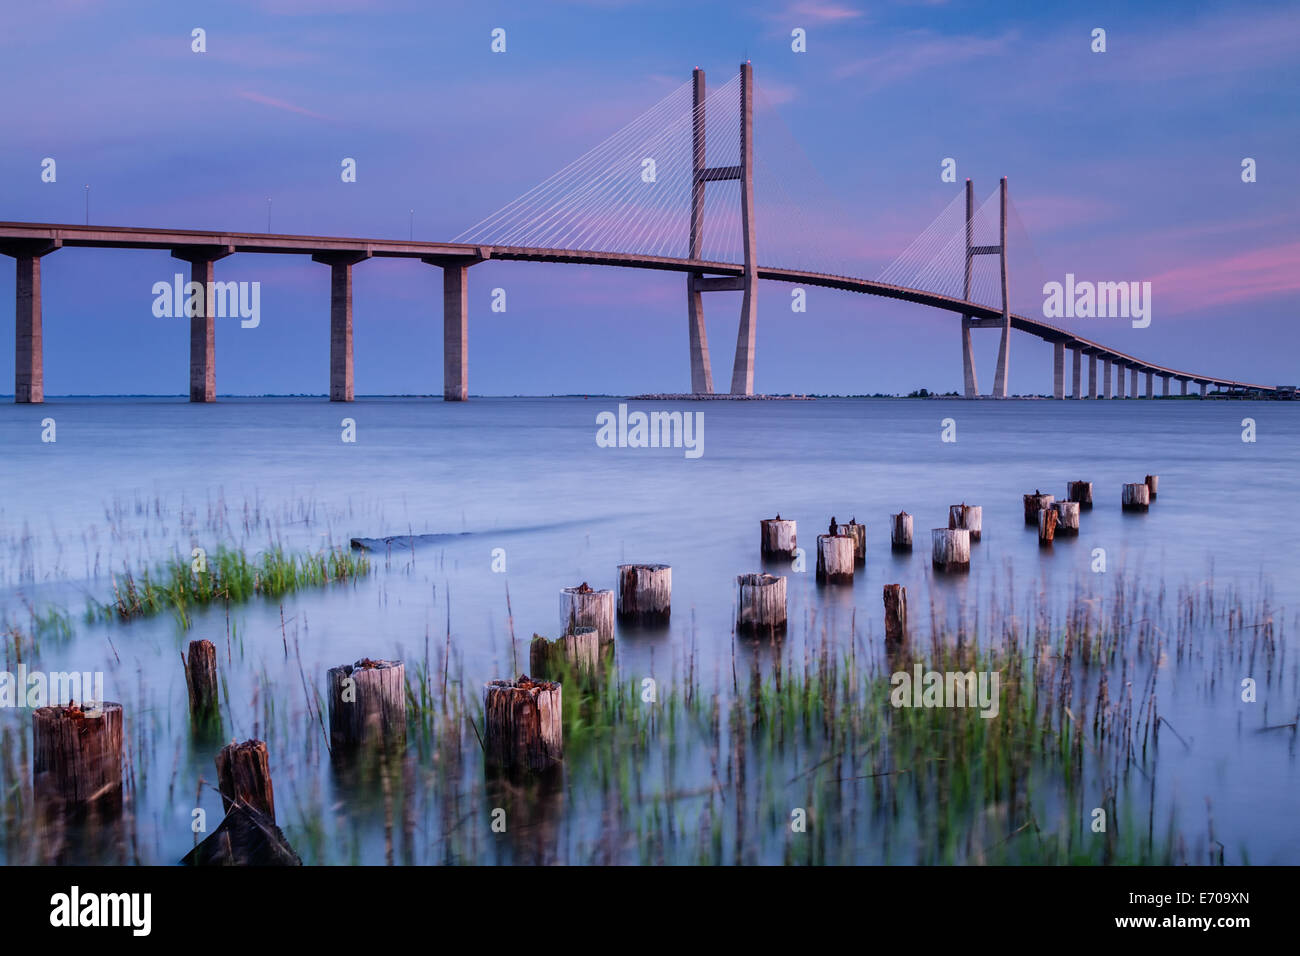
(126, 237)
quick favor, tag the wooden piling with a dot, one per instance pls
(1067, 518)
(367, 705)
(859, 534)
(77, 759)
(584, 606)
(1080, 492)
(760, 609)
(522, 729)
(970, 517)
(201, 681)
(244, 776)
(1035, 503)
(245, 837)
(777, 538)
(645, 593)
(578, 653)
(951, 549)
(895, 596)
(900, 533)
(1137, 497)
(1047, 526)
(835, 559)
(1153, 485)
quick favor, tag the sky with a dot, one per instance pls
(1123, 165)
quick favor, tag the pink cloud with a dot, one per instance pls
(1258, 274)
(280, 104)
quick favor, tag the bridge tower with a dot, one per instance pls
(742, 375)
(1004, 322)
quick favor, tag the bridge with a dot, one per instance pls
(595, 212)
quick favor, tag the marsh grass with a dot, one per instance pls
(231, 576)
(715, 765)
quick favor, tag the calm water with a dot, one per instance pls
(129, 482)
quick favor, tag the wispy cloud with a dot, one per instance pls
(1206, 281)
(279, 104)
(921, 52)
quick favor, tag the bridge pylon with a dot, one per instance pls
(1002, 374)
(742, 375)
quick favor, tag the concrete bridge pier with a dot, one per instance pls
(1092, 375)
(1058, 370)
(1150, 389)
(455, 323)
(1106, 378)
(1183, 383)
(203, 342)
(1133, 382)
(1078, 366)
(1120, 370)
(29, 349)
(341, 263)
(1203, 387)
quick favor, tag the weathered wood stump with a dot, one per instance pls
(895, 596)
(645, 593)
(859, 534)
(522, 730)
(900, 531)
(1137, 496)
(244, 776)
(760, 609)
(367, 704)
(578, 653)
(951, 549)
(77, 760)
(970, 517)
(777, 538)
(1080, 492)
(1046, 526)
(584, 606)
(1067, 517)
(1153, 485)
(835, 559)
(1035, 503)
(246, 837)
(201, 681)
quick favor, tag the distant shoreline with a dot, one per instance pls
(690, 397)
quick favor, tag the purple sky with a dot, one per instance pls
(1123, 165)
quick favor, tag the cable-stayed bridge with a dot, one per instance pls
(681, 188)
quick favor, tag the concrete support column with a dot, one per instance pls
(1002, 375)
(1150, 385)
(341, 377)
(1120, 381)
(455, 333)
(1204, 385)
(342, 386)
(1184, 384)
(29, 356)
(29, 349)
(455, 322)
(203, 328)
(1133, 383)
(701, 368)
(742, 372)
(1058, 370)
(1164, 385)
(1078, 362)
(1106, 377)
(1092, 375)
(970, 381)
